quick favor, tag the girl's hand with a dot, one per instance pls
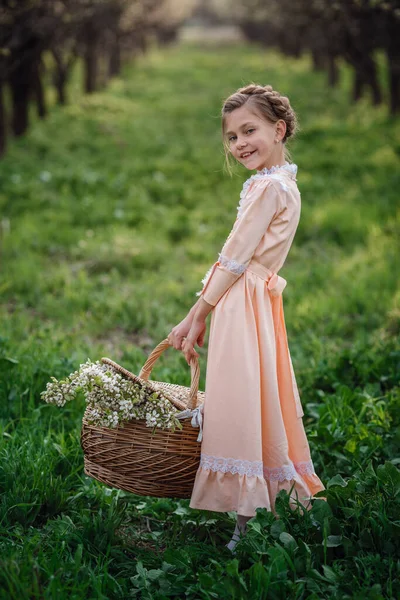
(179, 332)
(196, 334)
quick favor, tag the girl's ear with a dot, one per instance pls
(281, 128)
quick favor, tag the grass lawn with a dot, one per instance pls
(111, 212)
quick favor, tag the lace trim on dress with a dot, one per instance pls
(290, 168)
(256, 468)
(305, 468)
(231, 265)
(289, 471)
(232, 465)
(204, 280)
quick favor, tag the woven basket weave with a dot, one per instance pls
(132, 457)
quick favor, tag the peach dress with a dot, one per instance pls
(254, 443)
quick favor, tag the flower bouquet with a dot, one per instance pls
(137, 434)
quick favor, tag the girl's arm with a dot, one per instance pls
(200, 310)
(264, 201)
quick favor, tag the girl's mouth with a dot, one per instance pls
(247, 154)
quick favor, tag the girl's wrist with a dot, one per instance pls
(203, 309)
(193, 310)
(189, 320)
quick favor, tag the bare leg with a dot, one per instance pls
(240, 530)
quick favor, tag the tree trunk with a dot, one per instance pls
(393, 59)
(366, 76)
(91, 64)
(114, 65)
(394, 84)
(60, 83)
(317, 59)
(358, 85)
(38, 90)
(372, 80)
(333, 71)
(297, 47)
(141, 41)
(60, 76)
(20, 84)
(3, 125)
(103, 67)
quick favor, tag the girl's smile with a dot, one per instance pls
(247, 154)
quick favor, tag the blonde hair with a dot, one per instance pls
(266, 102)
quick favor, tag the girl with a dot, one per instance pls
(254, 443)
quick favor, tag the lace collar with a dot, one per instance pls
(289, 168)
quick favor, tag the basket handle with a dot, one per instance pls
(147, 368)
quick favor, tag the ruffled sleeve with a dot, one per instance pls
(263, 202)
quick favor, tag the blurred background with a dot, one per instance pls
(114, 202)
(41, 40)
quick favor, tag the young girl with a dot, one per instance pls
(254, 443)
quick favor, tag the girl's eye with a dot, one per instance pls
(232, 136)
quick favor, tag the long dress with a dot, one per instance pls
(254, 443)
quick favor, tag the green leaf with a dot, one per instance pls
(154, 574)
(259, 580)
(388, 473)
(232, 569)
(140, 569)
(329, 573)
(288, 541)
(336, 480)
(277, 528)
(255, 525)
(78, 555)
(333, 541)
(14, 361)
(320, 511)
(181, 510)
(351, 446)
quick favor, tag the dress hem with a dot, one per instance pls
(224, 492)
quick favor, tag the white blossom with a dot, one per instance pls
(111, 398)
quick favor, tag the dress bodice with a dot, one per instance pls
(277, 172)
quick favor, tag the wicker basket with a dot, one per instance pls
(132, 457)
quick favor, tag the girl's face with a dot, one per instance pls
(251, 139)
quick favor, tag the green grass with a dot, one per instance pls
(112, 211)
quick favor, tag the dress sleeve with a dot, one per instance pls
(262, 203)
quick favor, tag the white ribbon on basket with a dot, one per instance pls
(197, 418)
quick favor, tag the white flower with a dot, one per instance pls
(111, 398)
